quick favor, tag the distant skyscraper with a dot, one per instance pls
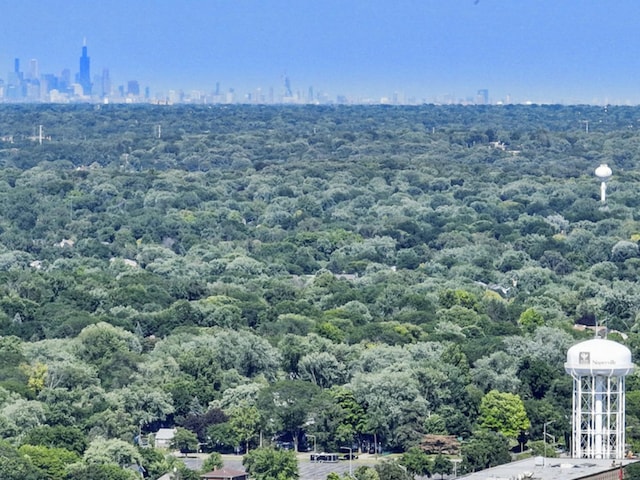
(133, 88)
(64, 84)
(15, 82)
(482, 96)
(287, 87)
(49, 82)
(106, 83)
(34, 72)
(84, 77)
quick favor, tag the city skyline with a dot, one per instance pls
(31, 86)
(420, 50)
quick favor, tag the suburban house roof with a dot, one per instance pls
(165, 434)
(225, 474)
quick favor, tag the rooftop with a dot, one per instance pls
(548, 469)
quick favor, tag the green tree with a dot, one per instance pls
(153, 461)
(435, 424)
(60, 436)
(504, 413)
(50, 462)
(442, 465)
(484, 450)
(212, 462)
(99, 471)
(632, 472)
(392, 470)
(530, 319)
(536, 375)
(112, 350)
(352, 419)
(288, 403)
(321, 368)
(269, 464)
(245, 423)
(100, 342)
(366, 473)
(185, 441)
(497, 371)
(221, 435)
(394, 406)
(22, 415)
(14, 466)
(112, 450)
(417, 462)
(145, 405)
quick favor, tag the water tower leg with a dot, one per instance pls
(598, 439)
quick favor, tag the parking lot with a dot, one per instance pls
(308, 470)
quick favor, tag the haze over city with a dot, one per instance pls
(406, 51)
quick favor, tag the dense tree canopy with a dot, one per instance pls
(364, 275)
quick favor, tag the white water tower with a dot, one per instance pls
(603, 172)
(598, 368)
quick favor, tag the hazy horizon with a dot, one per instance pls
(540, 51)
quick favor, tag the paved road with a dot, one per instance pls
(308, 470)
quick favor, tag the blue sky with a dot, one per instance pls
(560, 51)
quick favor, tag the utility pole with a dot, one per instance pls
(544, 439)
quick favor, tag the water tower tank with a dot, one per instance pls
(599, 357)
(603, 172)
(598, 368)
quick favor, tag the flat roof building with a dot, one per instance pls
(539, 468)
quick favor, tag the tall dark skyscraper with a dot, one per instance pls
(84, 77)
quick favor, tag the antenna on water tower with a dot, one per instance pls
(603, 172)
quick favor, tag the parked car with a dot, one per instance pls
(324, 457)
(284, 445)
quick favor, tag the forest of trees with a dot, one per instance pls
(362, 275)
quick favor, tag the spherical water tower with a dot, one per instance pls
(603, 172)
(598, 368)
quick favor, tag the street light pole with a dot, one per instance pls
(544, 439)
(350, 459)
(455, 467)
(314, 442)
